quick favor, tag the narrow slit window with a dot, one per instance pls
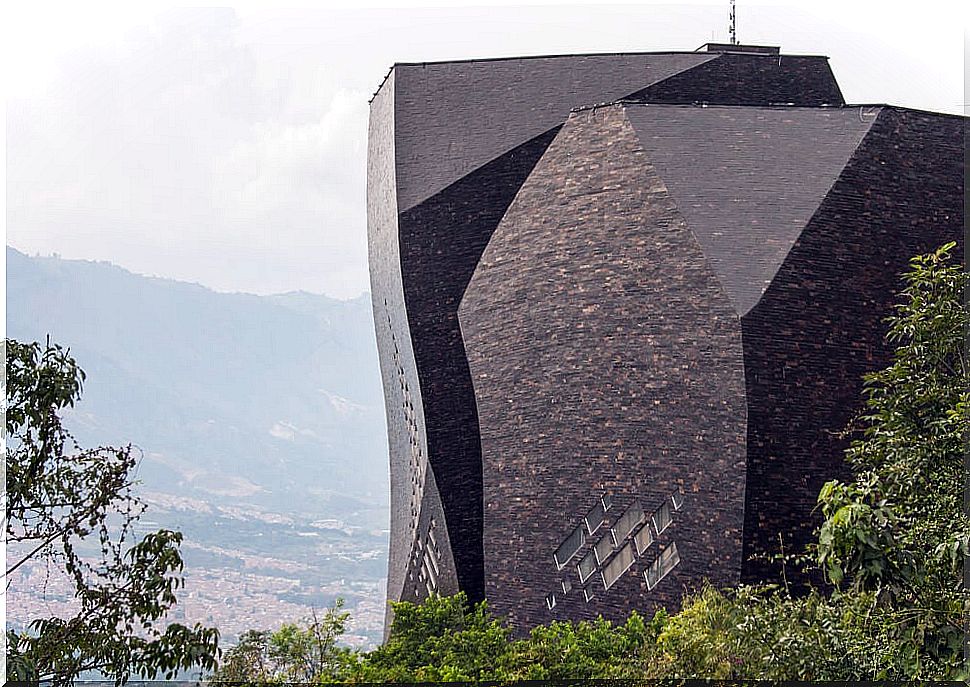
(662, 517)
(586, 567)
(632, 518)
(620, 563)
(666, 561)
(603, 548)
(570, 546)
(433, 561)
(431, 571)
(643, 540)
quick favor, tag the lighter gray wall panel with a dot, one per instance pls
(748, 179)
(451, 118)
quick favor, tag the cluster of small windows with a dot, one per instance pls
(417, 466)
(608, 554)
(592, 521)
(665, 562)
(424, 570)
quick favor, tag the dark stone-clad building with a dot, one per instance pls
(623, 306)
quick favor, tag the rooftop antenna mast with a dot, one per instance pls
(733, 28)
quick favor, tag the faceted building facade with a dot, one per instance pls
(623, 307)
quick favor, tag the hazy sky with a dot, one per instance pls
(227, 146)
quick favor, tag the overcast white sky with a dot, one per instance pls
(227, 146)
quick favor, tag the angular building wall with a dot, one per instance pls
(565, 316)
(819, 327)
(607, 364)
(684, 300)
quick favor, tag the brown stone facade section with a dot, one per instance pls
(606, 360)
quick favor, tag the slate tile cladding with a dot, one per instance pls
(615, 358)
(431, 125)
(748, 79)
(442, 240)
(390, 324)
(820, 325)
(605, 357)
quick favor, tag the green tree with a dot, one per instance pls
(899, 531)
(441, 639)
(60, 498)
(762, 633)
(292, 653)
(595, 649)
(447, 639)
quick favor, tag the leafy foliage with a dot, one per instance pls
(58, 496)
(900, 530)
(443, 639)
(290, 654)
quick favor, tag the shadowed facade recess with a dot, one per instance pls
(618, 341)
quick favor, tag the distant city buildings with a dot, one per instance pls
(624, 303)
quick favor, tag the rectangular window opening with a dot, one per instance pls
(665, 562)
(595, 517)
(662, 517)
(551, 601)
(572, 544)
(643, 539)
(586, 567)
(603, 548)
(429, 566)
(620, 563)
(632, 518)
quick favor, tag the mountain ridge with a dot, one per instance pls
(236, 385)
